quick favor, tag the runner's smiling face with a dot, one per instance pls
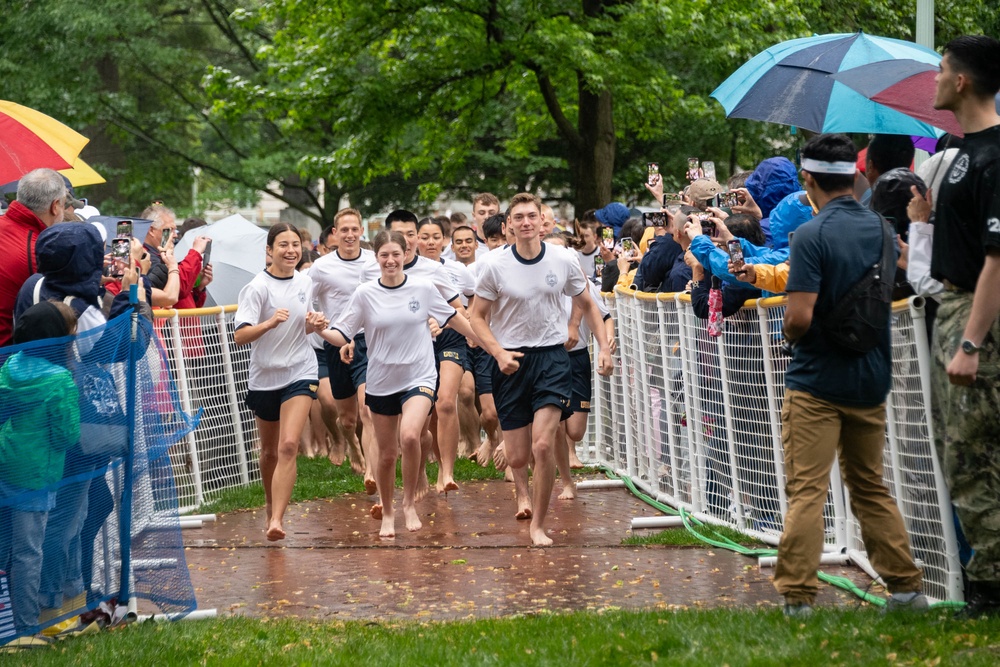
(348, 235)
(286, 252)
(390, 260)
(463, 242)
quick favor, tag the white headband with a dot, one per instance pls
(820, 167)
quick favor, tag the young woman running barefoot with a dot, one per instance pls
(451, 352)
(274, 318)
(394, 312)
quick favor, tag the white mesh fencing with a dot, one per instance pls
(211, 375)
(695, 421)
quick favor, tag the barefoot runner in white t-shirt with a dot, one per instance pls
(402, 369)
(274, 318)
(519, 318)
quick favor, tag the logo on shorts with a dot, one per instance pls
(585, 405)
(959, 169)
(426, 390)
(565, 402)
(302, 296)
(551, 279)
(313, 387)
(450, 355)
(414, 305)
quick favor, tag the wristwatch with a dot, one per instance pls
(969, 347)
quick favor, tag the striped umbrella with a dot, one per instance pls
(791, 84)
(30, 140)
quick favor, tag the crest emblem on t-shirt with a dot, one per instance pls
(302, 296)
(959, 169)
(414, 305)
(551, 279)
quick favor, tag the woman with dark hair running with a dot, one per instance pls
(273, 317)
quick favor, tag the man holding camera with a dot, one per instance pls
(835, 395)
(183, 285)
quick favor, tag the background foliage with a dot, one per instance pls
(394, 102)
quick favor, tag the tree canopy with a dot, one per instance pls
(394, 102)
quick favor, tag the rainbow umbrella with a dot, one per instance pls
(791, 83)
(81, 174)
(30, 140)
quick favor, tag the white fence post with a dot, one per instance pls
(234, 404)
(185, 396)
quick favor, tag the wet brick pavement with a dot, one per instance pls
(471, 559)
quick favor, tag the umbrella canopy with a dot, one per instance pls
(237, 256)
(30, 140)
(81, 174)
(790, 84)
(905, 85)
(140, 226)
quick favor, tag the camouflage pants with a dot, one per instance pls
(967, 434)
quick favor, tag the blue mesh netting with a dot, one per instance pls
(73, 481)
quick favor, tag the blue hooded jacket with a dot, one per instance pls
(613, 215)
(786, 217)
(774, 179)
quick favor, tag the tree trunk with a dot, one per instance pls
(595, 159)
(102, 150)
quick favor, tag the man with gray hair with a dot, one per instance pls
(175, 284)
(40, 203)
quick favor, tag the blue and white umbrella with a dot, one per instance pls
(790, 84)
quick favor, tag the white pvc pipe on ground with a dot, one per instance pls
(190, 523)
(826, 559)
(204, 518)
(196, 615)
(600, 484)
(657, 522)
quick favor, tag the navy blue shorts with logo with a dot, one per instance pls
(392, 404)
(483, 364)
(451, 346)
(544, 378)
(579, 362)
(345, 379)
(266, 404)
(324, 370)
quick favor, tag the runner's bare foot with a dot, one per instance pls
(423, 488)
(523, 513)
(568, 491)
(371, 488)
(574, 461)
(356, 457)
(508, 475)
(411, 519)
(275, 532)
(539, 538)
(376, 511)
(388, 529)
(482, 455)
(500, 457)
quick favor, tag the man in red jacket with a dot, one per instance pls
(41, 198)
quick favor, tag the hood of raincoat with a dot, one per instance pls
(71, 257)
(787, 216)
(774, 179)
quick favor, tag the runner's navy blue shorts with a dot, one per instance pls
(344, 379)
(451, 346)
(482, 369)
(579, 362)
(544, 378)
(392, 404)
(266, 404)
(324, 370)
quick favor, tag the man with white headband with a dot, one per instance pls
(835, 395)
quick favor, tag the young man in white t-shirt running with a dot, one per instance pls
(519, 318)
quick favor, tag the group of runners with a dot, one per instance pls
(403, 329)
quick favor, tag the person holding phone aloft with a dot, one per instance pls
(394, 311)
(273, 317)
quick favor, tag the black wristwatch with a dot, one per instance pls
(969, 347)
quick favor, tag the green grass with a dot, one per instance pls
(715, 637)
(318, 478)
(678, 537)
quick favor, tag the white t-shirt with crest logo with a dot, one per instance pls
(282, 355)
(400, 350)
(528, 295)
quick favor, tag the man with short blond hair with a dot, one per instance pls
(518, 315)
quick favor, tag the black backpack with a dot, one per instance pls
(856, 324)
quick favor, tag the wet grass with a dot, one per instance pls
(687, 637)
(682, 537)
(318, 478)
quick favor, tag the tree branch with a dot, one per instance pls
(566, 128)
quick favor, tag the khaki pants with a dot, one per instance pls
(813, 432)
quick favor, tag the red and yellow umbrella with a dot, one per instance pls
(30, 140)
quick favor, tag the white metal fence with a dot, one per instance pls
(695, 422)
